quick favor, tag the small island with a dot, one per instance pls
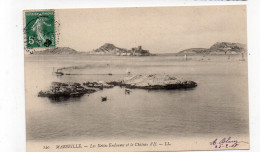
(66, 90)
(154, 82)
(111, 49)
(148, 82)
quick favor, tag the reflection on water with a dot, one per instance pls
(218, 105)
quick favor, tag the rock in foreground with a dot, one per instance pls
(154, 82)
(66, 90)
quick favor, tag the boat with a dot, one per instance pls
(58, 73)
(185, 56)
(243, 58)
(128, 72)
(103, 99)
(108, 65)
(127, 91)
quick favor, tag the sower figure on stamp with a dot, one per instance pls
(38, 28)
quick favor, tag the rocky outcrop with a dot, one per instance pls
(111, 49)
(151, 82)
(154, 82)
(58, 89)
(227, 48)
(108, 48)
(216, 49)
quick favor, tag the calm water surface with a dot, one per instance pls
(218, 105)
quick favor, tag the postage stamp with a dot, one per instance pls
(40, 29)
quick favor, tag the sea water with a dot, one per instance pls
(217, 106)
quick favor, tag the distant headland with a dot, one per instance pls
(219, 48)
(106, 49)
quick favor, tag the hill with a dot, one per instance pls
(193, 51)
(57, 51)
(227, 48)
(108, 49)
(111, 49)
(216, 49)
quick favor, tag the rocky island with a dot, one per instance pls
(111, 49)
(149, 82)
(154, 82)
(58, 89)
(219, 48)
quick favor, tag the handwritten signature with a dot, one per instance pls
(226, 143)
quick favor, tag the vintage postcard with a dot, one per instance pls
(136, 79)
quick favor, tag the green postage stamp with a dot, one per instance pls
(39, 29)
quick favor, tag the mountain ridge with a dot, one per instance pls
(217, 48)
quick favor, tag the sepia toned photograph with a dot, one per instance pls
(136, 79)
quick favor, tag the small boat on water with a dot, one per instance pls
(103, 98)
(128, 72)
(243, 58)
(59, 73)
(185, 57)
(108, 65)
(127, 91)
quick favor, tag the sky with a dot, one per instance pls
(157, 29)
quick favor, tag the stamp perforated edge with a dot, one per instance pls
(56, 27)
